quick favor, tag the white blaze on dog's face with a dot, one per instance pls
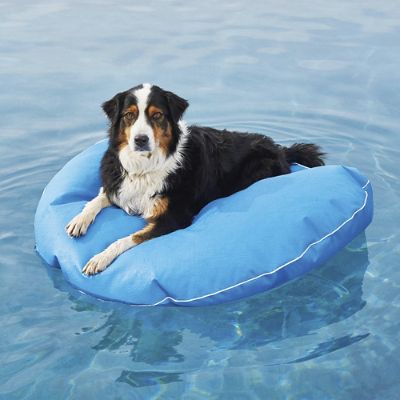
(141, 135)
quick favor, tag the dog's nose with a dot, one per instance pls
(141, 140)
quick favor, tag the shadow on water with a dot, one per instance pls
(155, 336)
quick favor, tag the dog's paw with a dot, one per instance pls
(98, 263)
(79, 225)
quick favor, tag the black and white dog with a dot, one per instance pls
(161, 169)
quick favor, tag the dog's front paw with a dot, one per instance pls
(97, 264)
(79, 225)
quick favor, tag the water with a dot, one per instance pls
(318, 71)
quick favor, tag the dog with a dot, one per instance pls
(165, 171)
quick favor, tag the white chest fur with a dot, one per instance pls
(138, 193)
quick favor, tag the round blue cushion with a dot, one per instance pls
(262, 237)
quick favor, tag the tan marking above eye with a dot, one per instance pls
(155, 113)
(133, 108)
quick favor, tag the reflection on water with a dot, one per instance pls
(332, 345)
(139, 379)
(152, 337)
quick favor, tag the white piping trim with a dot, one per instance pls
(301, 165)
(265, 273)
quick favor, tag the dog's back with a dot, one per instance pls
(218, 163)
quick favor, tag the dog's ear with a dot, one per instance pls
(177, 105)
(111, 107)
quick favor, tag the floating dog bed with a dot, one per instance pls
(255, 240)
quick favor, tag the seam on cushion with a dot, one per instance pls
(363, 187)
(265, 273)
(301, 165)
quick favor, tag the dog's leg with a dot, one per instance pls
(161, 223)
(80, 224)
(101, 261)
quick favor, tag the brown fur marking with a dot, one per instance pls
(133, 109)
(123, 138)
(153, 109)
(124, 135)
(162, 135)
(144, 234)
(160, 208)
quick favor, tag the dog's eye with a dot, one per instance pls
(130, 116)
(157, 116)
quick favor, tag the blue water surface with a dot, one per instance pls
(326, 72)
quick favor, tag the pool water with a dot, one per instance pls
(324, 72)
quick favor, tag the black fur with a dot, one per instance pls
(216, 163)
(306, 154)
(219, 163)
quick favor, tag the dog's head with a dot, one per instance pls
(145, 119)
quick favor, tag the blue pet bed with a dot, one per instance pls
(255, 240)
